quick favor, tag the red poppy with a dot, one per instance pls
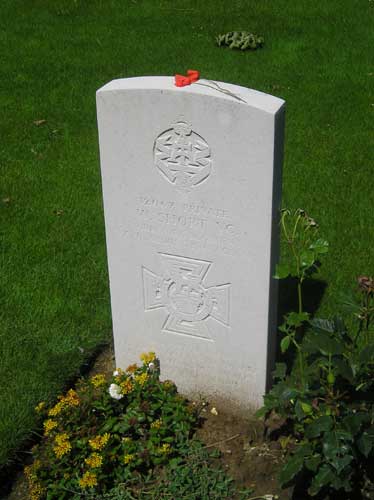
(192, 76)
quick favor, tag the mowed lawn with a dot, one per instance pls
(55, 311)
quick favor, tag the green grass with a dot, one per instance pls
(54, 288)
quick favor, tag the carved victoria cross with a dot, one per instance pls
(181, 291)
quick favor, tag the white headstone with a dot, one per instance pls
(191, 184)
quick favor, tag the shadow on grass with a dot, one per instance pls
(10, 472)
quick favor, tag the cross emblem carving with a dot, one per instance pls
(179, 288)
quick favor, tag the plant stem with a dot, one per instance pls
(300, 297)
(300, 361)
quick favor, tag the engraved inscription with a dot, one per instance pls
(180, 289)
(177, 225)
(182, 156)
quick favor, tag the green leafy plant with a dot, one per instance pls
(108, 431)
(242, 40)
(305, 248)
(193, 475)
(325, 404)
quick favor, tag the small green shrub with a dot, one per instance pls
(109, 431)
(242, 40)
(325, 404)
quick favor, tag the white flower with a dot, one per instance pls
(214, 411)
(115, 373)
(151, 367)
(115, 391)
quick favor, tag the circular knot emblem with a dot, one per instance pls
(182, 156)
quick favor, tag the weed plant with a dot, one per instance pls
(324, 406)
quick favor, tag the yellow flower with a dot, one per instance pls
(60, 438)
(126, 386)
(98, 442)
(156, 424)
(141, 379)
(132, 368)
(36, 491)
(88, 480)
(98, 380)
(71, 398)
(37, 464)
(128, 458)
(56, 410)
(49, 425)
(40, 407)
(29, 473)
(62, 446)
(165, 449)
(148, 357)
(94, 460)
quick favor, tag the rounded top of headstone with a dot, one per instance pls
(211, 88)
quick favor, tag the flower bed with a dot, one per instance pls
(109, 430)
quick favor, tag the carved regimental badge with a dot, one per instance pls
(179, 288)
(182, 156)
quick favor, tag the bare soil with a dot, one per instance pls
(251, 460)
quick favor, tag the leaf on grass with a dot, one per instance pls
(38, 123)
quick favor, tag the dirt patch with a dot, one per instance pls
(248, 458)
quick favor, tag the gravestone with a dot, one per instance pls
(191, 182)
